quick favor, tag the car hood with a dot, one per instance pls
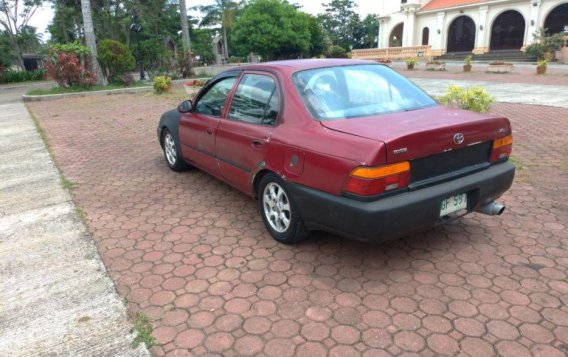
(423, 132)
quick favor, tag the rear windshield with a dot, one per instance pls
(353, 91)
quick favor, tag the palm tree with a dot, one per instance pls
(184, 28)
(91, 40)
(223, 13)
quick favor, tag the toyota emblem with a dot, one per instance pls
(458, 138)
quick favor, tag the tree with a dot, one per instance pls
(370, 31)
(342, 23)
(274, 29)
(319, 40)
(184, 28)
(222, 13)
(67, 21)
(91, 41)
(14, 17)
(6, 54)
(115, 59)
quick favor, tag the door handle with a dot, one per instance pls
(210, 131)
(257, 144)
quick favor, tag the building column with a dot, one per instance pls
(409, 23)
(408, 31)
(483, 32)
(383, 31)
(533, 21)
(437, 35)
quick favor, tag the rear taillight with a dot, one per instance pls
(502, 148)
(372, 181)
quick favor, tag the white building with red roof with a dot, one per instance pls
(468, 26)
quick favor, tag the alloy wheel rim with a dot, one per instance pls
(277, 208)
(170, 149)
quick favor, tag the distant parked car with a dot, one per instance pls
(349, 147)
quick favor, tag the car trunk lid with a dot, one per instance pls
(421, 133)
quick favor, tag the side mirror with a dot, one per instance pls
(185, 106)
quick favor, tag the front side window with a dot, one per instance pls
(346, 92)
(212, 102)
(255, 100)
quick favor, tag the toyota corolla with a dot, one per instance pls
(344, 146)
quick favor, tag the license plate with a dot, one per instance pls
(453, 204)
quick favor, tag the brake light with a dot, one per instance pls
(372, 181)
(502, 148)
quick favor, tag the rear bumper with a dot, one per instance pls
(399, 215)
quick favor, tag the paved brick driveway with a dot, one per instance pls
(192, 253)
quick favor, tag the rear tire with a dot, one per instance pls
(278, 211)
(172, 152)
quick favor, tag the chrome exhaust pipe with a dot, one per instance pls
(491, 209)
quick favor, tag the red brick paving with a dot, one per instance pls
(192, 253)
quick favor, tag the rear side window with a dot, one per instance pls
(212, 102)
(255, 100)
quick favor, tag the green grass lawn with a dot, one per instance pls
(61, 90)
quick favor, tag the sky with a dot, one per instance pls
(364, 7)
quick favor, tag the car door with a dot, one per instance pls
(243, 136)
(197, 129)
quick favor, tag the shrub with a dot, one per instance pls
(73, 47)
(127, 79)
(468, 60)
(476, 99)
(162, 84)
(412, 61)
(155, 56)
(336, 51)
(544, 44)
(234, 59)
(542, 63)
(67, 64)
(115, 59)
(535, 49)
(11, 76)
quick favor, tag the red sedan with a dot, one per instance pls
(349, 147)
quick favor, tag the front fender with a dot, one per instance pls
(169, 120)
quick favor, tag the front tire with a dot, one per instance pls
(278, 211)
(172, 152)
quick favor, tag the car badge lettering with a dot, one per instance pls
(458, 138)
(400, 151)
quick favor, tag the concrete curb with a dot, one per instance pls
(133, 90)
(47, 97)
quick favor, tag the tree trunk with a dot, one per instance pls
(91, 41)
(17, 50)
(225, 42)
(184, 27)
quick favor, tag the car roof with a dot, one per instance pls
(298, 65)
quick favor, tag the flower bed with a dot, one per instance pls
(436, 66)
(500, 67)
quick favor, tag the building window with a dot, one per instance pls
(425, 36)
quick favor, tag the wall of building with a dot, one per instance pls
(483, 15)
